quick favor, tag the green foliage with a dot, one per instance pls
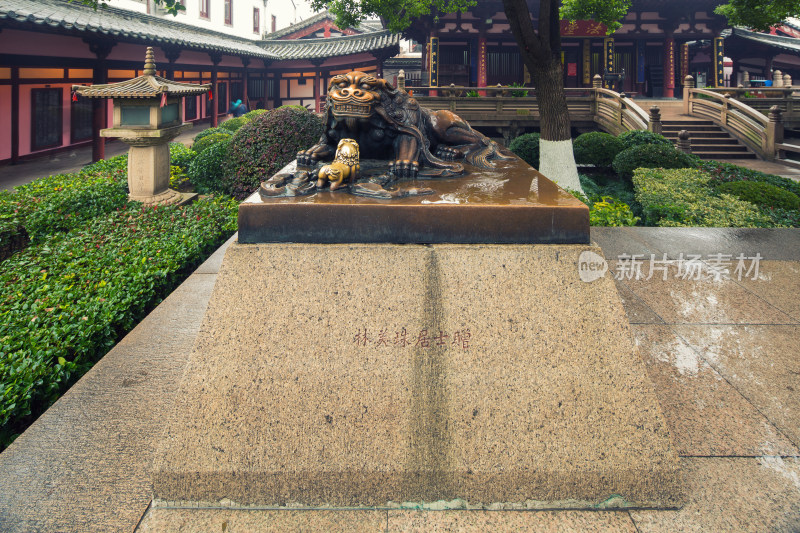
(683, 197)
(473, 94)
(73, 206)
(526, 146)
(250, 115)
(210, 140)
(397, 13)
(641, 137)
(651, 156)
(596, 148)
(210, 131)
(725, 172)
(178, 180)
(233, 124)
(65, 200)
(66, 302)
(609, 12)
(609, 211)
(518, 94)
(266, 144)
(762, 194)
(180, 155)
(604, 209)
(173, 7)
(758, 14)
(209, 167)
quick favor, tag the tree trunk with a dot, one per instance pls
(541, 53)
(557, 160)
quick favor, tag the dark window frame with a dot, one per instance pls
(256, 20)
(60, 119)
(228, 11)
(205, 8)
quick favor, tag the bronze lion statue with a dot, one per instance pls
(390, 125)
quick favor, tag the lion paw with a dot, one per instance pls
(446, 153)
(305, 160)
(403, 168)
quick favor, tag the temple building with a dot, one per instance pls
(46, 46)
(659, 43)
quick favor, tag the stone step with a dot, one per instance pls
(694, 122)
(723, 155)
(694, 134)
(714, 140)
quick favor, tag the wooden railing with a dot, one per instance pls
(755, 129)
(616, 113)
(764, 98)
(518, 106)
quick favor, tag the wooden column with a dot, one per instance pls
(245, 73)
(609, 66)
(100, 49)
(669, 67)
(14, 114)
(434, 64)
(172, 53)
(215, 60)
(482, 77)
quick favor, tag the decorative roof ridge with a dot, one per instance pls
(340, 38)
(744, 32)
(9, 9)
(148, 85)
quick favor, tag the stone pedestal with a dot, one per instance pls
(148, 163)
(352, 375)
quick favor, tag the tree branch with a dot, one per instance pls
(519, 18)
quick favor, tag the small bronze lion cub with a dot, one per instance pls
(344, 168)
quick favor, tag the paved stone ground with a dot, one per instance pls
(70, 161)
(723, 357)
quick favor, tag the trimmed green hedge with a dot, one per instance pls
(760, 193)
(642, 137)
(209, 167)
(652, 156)
(683, 197)
(526, 146)
(596, 148)
(66, 302)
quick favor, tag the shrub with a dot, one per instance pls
(760, 193)
(526, 146)
(250, 115)
(67, 301)
(70, 208)
(651, 156)
(596, 148)
(725, 172)
(180, 155)
(210, 131)
(209, 167)
(683, 197)
(642, 137)
(609, 211)
(266, 144)
(233, 124)
(209, 140)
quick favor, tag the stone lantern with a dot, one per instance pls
(147, 115)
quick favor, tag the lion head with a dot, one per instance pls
(354, 95)
(347, 152)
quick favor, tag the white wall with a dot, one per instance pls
(242, 26)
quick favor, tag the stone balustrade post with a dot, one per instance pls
(684, 144)
(401, 80)
(597, 81)
(688, 85)
(774, 133)
(746, 79)
(787, 80)
(655, 120)
(777, 79)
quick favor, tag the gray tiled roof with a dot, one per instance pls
(366, 26)
(333, 46)
(790, 44)
(125, 25)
